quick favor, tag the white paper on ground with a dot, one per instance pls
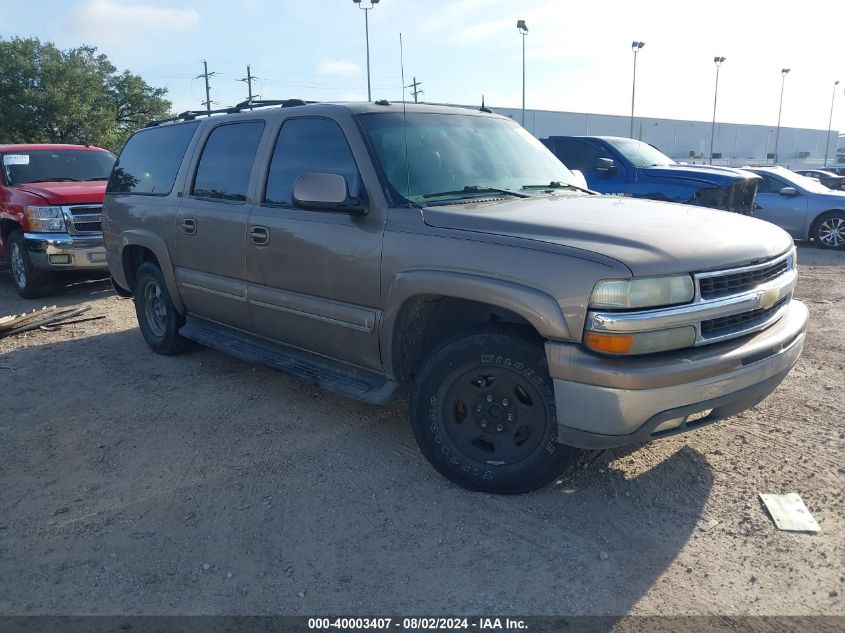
(790, 513)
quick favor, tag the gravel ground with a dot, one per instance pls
(199, 484)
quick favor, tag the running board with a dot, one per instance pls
(340, 378)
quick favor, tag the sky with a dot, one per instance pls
(578, 55)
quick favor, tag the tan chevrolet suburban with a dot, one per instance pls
(442, 254)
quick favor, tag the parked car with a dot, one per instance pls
(839, 171)
(444, 255)
(51, 199)
(827, 178)
(629, 167)
(803, 207)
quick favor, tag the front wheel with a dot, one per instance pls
(829, 230)
(483, 413)
(29, 281)
(158, 319)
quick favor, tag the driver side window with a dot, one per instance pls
(579, 155)
(309, 145)
(770, 184)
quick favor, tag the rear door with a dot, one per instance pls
(788, 212)
(210, 232)
(314, 278)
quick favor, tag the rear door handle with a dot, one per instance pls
(189, 225)
(259, 235)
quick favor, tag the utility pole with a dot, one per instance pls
(206, 75)
(416, 91)
(248, 79)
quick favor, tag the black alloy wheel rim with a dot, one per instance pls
(495, 416)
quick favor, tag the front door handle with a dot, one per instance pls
(259, 235)
(189, 225)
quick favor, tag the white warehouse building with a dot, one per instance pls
(689, 141)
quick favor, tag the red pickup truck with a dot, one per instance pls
(51, 199)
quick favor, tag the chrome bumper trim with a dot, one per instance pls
(86, 252)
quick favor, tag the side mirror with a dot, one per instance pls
(789, 192)
(605, 166)
(326, 192)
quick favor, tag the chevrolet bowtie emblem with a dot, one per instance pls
(768, 298)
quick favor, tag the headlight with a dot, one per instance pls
(615, 294)
(45, 219)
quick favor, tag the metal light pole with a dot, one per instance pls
(718, 61)
(523, 30)
(366, 10)
(830, 122)
(635, 46)
(784, 72)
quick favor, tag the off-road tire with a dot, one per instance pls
(29, 282)
(466, 391)
(158, 318)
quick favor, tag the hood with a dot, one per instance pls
(67, 192)
(721, 176)
(649, 237)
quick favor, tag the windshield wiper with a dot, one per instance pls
(557, 185)
(63, 179)
(475, 190)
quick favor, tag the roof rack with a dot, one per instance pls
(190, 115)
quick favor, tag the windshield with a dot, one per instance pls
(56, 165)
(641, 154)
(458, 156)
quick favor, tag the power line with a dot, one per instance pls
(206, 75)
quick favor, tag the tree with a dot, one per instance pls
(74, 96)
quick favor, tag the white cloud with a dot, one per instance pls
(338, 68)
(113, 22)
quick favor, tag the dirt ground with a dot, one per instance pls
(199, 484)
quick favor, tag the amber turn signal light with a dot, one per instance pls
(610, 343)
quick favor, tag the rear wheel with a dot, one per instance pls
(158, 319)
(829, 230)
(483, 413)
(29, 281)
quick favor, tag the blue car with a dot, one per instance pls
(628, 167)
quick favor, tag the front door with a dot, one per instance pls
(788, 212)
(210, 231)
(314, 276)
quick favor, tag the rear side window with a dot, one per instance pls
(150, 161)
(304, 146)
(226, 162)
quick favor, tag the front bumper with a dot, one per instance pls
(61, 251)
(605, 401)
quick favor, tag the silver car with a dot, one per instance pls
(803, 207)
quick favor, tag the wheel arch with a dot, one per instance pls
(7, 226)
(424, 308)
(811, 232)
(140, 246)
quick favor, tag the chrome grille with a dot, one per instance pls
(84, 218)
(733, 283)
(739, 322)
